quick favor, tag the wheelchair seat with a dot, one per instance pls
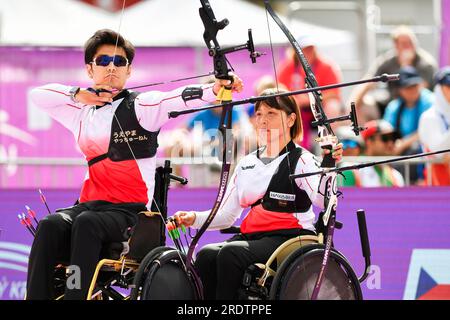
(145, 236)
(274, 262)
(291, 271)
(149, 231)
(119, 261)
(289, 246)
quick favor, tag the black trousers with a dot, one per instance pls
(221, 266)
(75, 236)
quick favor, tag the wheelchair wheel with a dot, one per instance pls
(167, 280)
(143, 270)
(297, 276)
(59, 282)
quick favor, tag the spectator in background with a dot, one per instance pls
(434, 130)
(353, 147)
(406, 52)
(292, 75)
(199, 138)
(404, 112)
(379, 141)
(209, 120)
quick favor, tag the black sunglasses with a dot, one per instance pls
(104, 61)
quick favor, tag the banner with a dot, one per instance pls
(408, 231)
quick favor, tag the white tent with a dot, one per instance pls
(50, 22)
(156, 23)
(177, 23)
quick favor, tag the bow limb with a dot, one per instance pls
(222, 70)
(325, 132)
(326, 139)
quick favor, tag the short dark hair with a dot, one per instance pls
(286, 104)
(107, 36)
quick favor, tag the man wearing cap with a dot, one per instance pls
(379, 141)
(434, 128)
(292, 75)
(352, 146)
(404, 113)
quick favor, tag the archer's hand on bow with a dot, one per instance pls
(237, 85)
(185, 218)
(337, 152)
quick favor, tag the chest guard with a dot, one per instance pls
(281, 194)
(128, 133)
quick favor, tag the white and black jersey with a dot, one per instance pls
(113, 174)
(250, 183)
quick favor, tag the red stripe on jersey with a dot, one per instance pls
(71, 105)
(306, 179)
(157, 104)
(115, 182)
(79, 132)
(259, 219)
(67, 95)
(223, 203)
(302, 160)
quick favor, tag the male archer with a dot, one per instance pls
(117, 131)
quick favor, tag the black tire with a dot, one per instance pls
(143, 269)
(302, 267)
(166, 279)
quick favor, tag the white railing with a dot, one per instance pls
(407, 164)
(199, 173)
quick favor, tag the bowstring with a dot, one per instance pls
(121, 129)
(284, 130)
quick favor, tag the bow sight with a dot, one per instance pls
(351, 116)
(222, 66)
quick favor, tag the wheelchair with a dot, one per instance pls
(119, 265)
(290, 272)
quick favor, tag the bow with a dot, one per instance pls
(368, 164)
(222, 70)
(326, 135)
(326, 139)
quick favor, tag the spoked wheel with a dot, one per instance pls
(59, 282)
(297, 276)
(166, 279)
(143, 270)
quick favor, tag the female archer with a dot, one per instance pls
(279, 209)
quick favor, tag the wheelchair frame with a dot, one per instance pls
(125, 269)
(128, 273)
(306, 244)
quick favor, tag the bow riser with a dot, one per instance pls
(222, 71)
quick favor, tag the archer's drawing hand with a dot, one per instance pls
(90, 97)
